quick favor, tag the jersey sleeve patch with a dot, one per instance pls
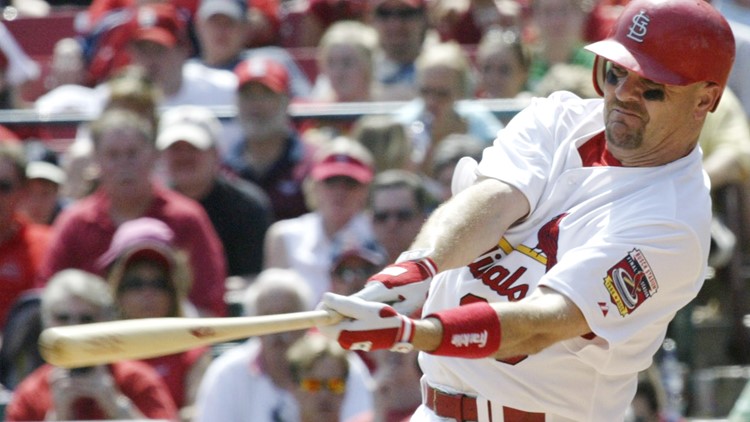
(630, 282)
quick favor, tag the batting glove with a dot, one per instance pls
(372, 325)
(403, 285)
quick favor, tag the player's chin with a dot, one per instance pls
(622, 135)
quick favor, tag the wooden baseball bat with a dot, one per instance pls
(104, 342)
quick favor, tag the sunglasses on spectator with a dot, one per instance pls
(398, 13)
(7, 186)
(136, 283)
(313, 385)
(66, 318)
(402, 215)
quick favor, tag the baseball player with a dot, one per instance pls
(551, 275)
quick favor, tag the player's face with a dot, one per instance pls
(647, 122)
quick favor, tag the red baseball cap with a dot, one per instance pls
(143, 237)
(268, 72)
(159, 23)
(340, 164)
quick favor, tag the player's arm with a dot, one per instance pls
(525, 327)
(477, 330)
(463, 228)
(471, 222)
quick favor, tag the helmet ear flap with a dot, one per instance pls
(599, 74)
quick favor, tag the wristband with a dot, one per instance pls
(405, 336)
(469, 331)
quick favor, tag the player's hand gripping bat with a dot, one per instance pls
(104, 342)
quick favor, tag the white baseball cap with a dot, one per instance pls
(195, 125)
(46, 171)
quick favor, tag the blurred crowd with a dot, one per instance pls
(189, 189)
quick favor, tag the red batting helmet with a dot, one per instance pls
(672, 42)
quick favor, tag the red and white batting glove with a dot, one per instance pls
(371, 325)
(403, 285)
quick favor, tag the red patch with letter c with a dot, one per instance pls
(630, 282)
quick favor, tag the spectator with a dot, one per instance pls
(81, 172)
(502, 64)
(19, 350)
(22, 243)
(345, 74)
(337, 190)
(133, 88)
(352, 266)
(222, 28)
(447, 155)
(725, 140)
(150, 278)
(239, 210)
(647, 405)
(443, 77)
(160, 43)
(269, 151)
(467, 22)
(42, 201)
(397, 389)
(68, 66)
(399, 203)
(387, 140)
(125, 153)
(99, 9)
(253, 381)
(319, 369)
(402, 29)
(345, 63)
(130, 87)
(121, 390)
(66, 88)
(559, 30)
(317, 17)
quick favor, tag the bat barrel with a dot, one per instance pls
(105, 342)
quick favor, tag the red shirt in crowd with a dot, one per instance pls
(32, 399)
(84, 230)
(20, 262)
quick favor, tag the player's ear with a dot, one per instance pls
(708, 99)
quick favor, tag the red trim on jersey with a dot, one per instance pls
(594, 153)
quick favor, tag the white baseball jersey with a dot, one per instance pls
(628, 245)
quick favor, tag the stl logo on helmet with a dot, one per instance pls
(637, 31)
